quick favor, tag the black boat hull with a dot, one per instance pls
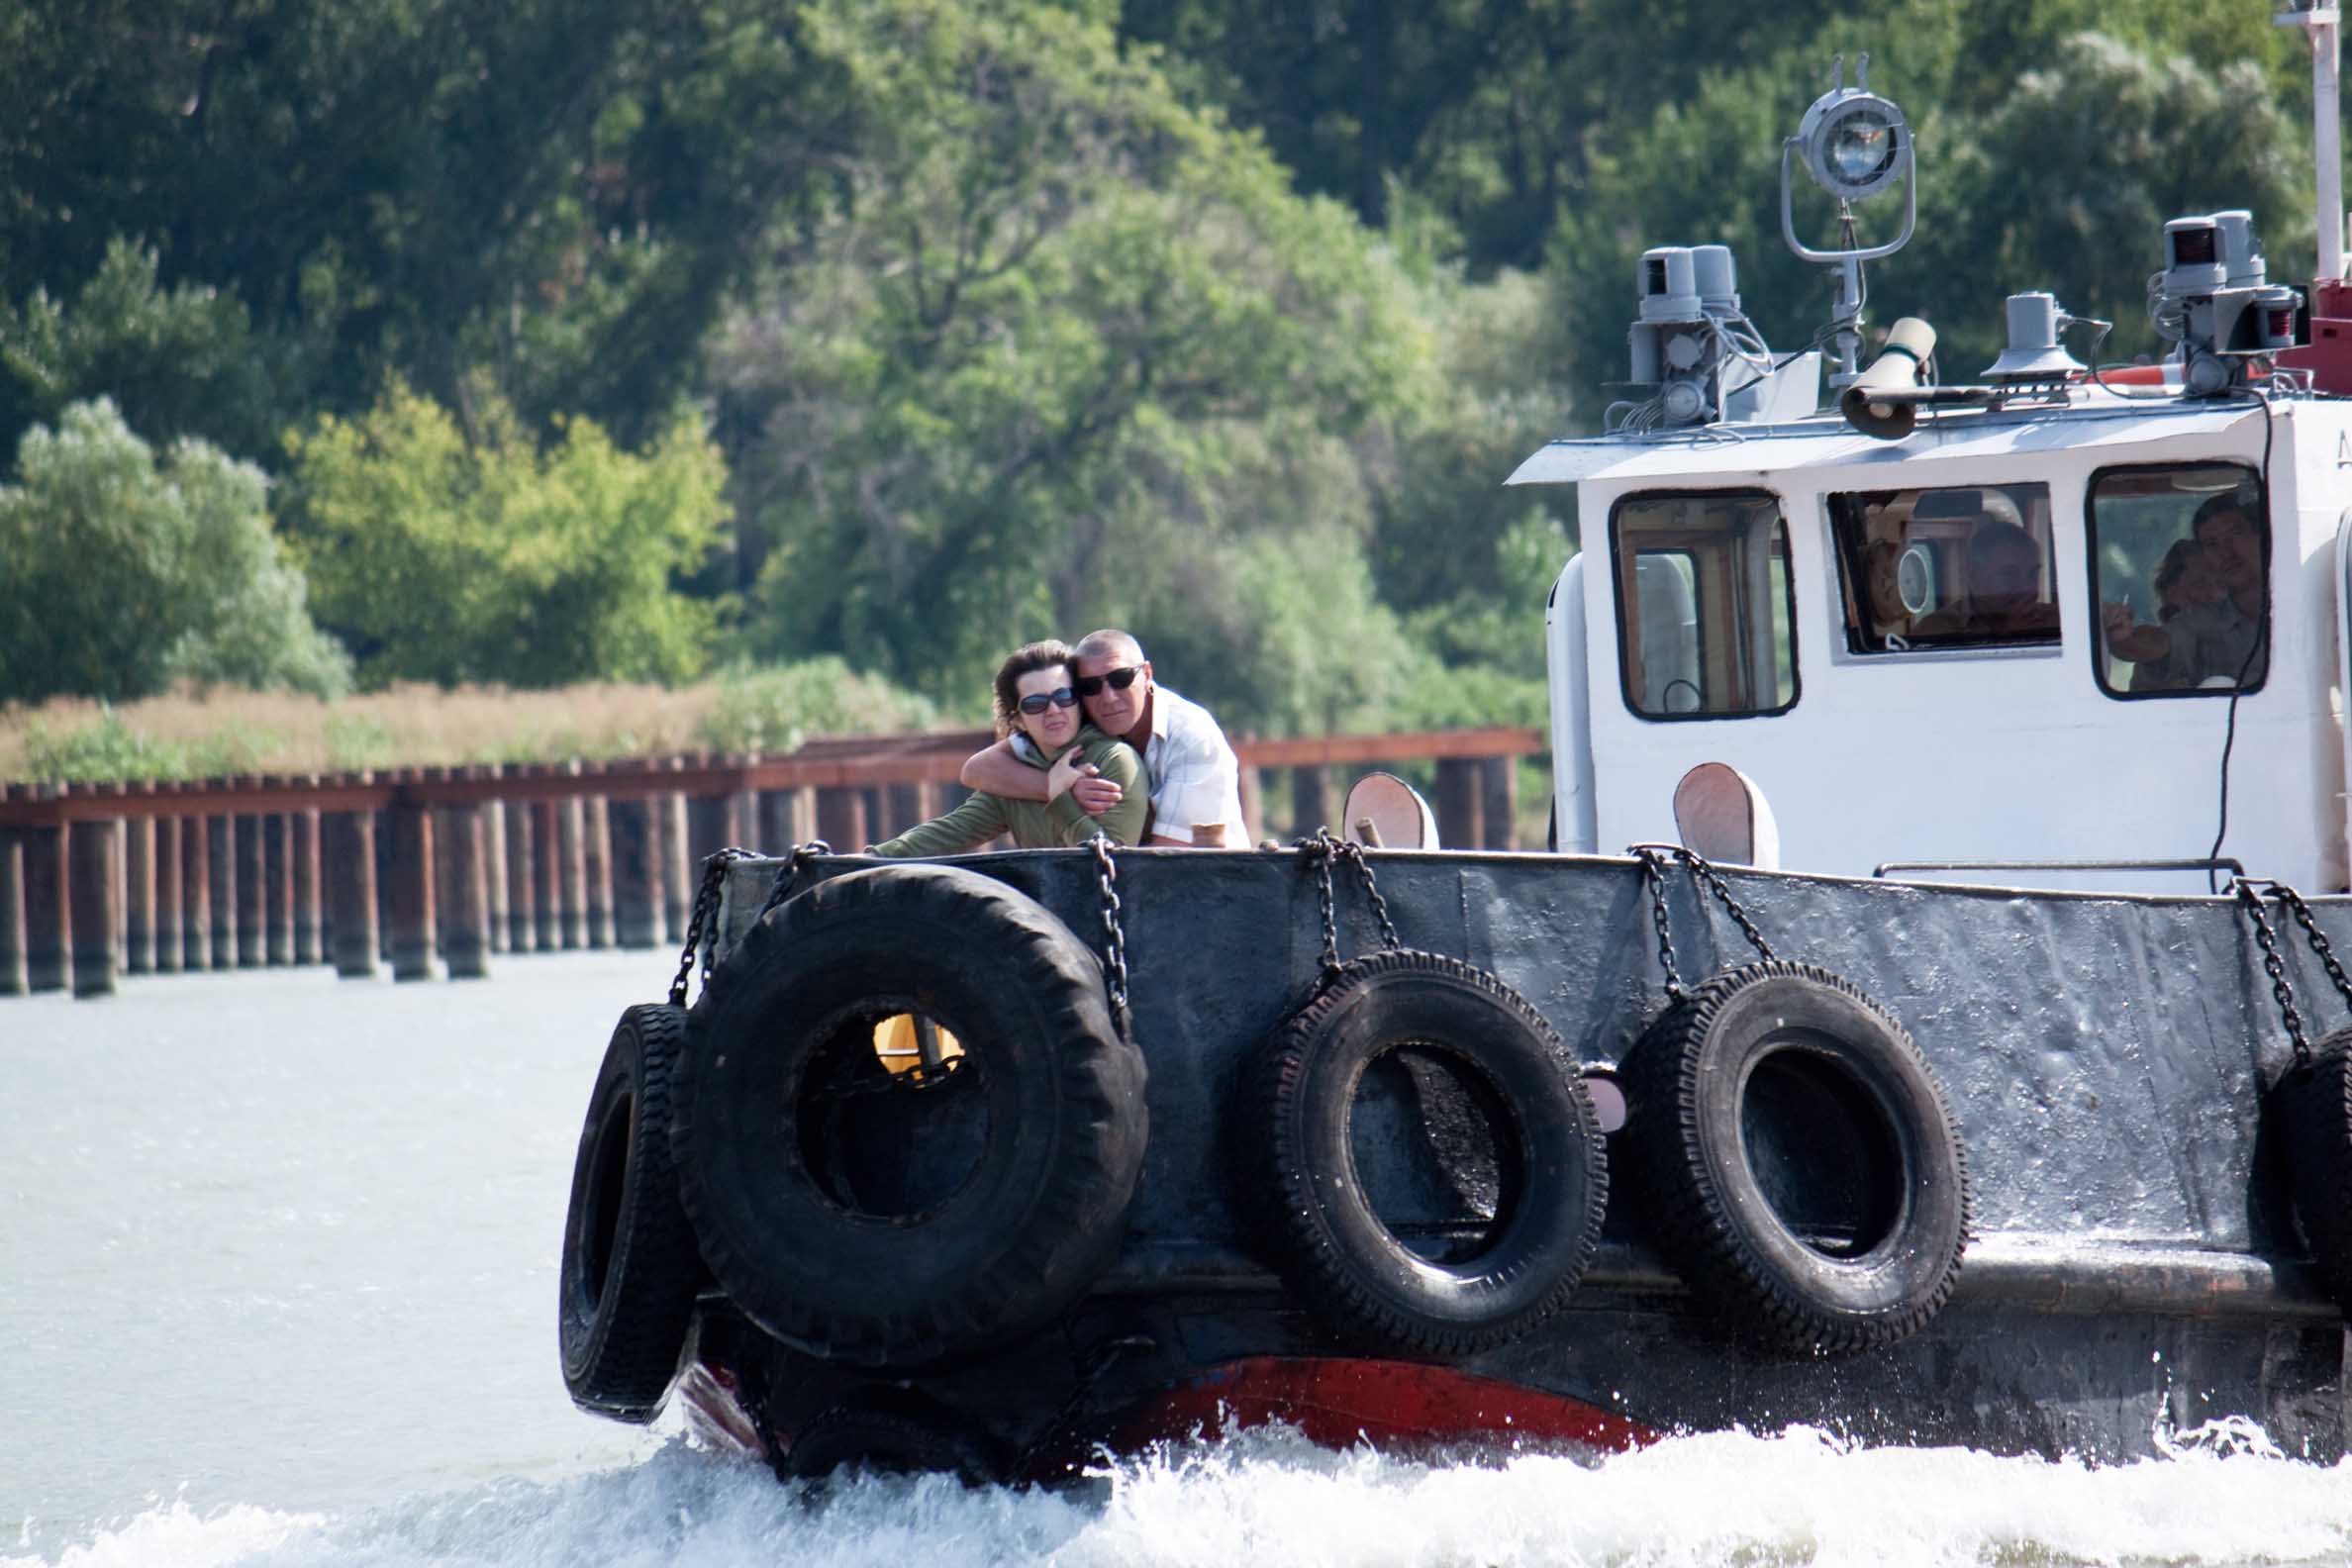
(2133, 1269)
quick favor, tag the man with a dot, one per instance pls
(2216, 643)
(2003, 597)
(1196, 780)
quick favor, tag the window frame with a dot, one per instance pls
(2091, 576)
(1788, 600)
(1849, 588)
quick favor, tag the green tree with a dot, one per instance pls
(176, 361)
(1061, 336)
(125, 574)
(447, 558)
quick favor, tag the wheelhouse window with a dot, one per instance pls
(1946, 567)
(1705, 614)
(2180, 552)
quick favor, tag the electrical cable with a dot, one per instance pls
(2260, 649)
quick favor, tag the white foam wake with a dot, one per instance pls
(1797, 1497)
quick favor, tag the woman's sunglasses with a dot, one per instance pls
(1037, 703)
(1116, 680)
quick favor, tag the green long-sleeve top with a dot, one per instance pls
(1038, 825)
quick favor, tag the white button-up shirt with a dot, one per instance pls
(1196, 780)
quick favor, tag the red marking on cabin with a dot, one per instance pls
(2328, 355)
(1339, 1401)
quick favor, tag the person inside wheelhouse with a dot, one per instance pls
(2215, 643)
(1947, 568)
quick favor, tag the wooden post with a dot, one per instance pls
(12, 914)
(277, 895)
(411, 892)
(677, 874)
(309, 945)
(169, 945)
(786, 818)
(547, 859)
(91, 848)
(348, 866)
(842, 819)
(45, 910)
(220, 849)
(196, 916)
(494, 869)
(637, 873)
(138, 889)
(711, 827)
(383, 874)
(521, 878)
(596, 824)
(1499, 790)
(905, 802)
(466, 916)
(1460, 804)
(252, 899)
(1253, 810)
(571, 856)
(1310, 803)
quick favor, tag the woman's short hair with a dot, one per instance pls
(1025, 660)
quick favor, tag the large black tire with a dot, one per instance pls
(1552, 1175)
(2314, 1107)
(813, 1177)
(1798, 1158)
(629, 1271)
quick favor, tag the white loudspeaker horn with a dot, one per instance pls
(1875, 403)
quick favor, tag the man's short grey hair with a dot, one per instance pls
(1109, 642)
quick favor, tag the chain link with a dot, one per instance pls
(1318, 853)
(1701, 869)
(795, 864)
(1115, 966)
(1653, 875)
(2317, 937)
(1380, 910)
(2245, 891)
(705, 903)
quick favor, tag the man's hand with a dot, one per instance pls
(1096, 794)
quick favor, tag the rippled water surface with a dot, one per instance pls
(276, 1287)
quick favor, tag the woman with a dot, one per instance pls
(1035, 694)
(2185, 579)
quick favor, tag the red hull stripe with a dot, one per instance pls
(1338, 1400)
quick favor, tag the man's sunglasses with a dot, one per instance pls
(1038, 702)
(1116, 680)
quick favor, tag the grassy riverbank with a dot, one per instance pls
(190, 734)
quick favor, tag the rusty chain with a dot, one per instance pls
(2317, 938)
(705, 903)
(794, 865)
(1704, 875)
(1115, 967)
(1653, 877)
(1322, 850)
(2243, 889)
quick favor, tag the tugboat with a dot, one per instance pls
(1946, 1060)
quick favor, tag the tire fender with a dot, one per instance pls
(1324, 1234)
(629, 1270)
(1770, 1086)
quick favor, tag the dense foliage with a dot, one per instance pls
(629, 339)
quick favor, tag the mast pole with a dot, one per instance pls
(2323, 27)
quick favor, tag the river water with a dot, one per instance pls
(277, 1275)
